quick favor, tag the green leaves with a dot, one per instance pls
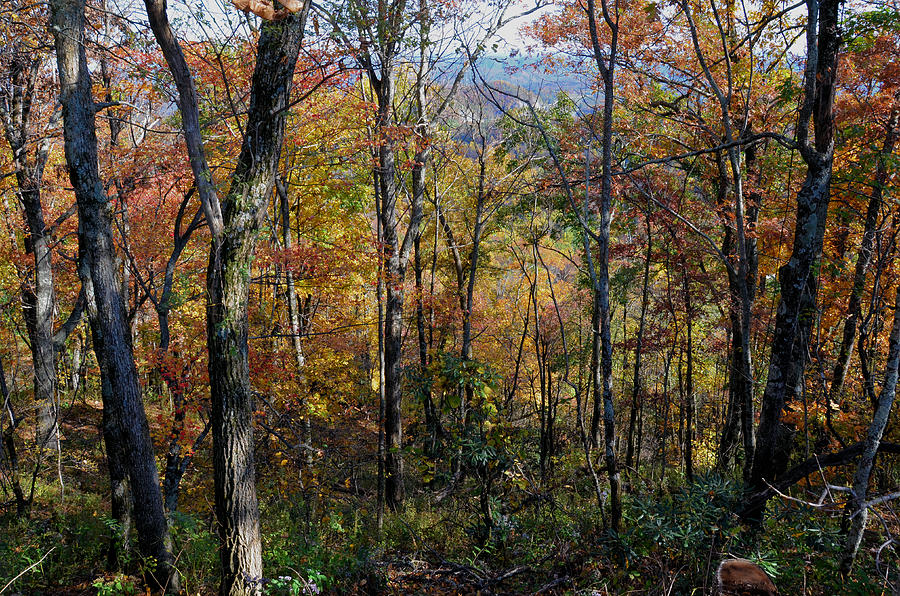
(862, 29)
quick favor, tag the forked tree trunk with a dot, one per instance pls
(235, 227)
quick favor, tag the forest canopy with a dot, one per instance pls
(417, 296)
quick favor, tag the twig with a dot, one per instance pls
(552, 584)
(818, 505)
(883, 499)
(27, 569)
(491, 581)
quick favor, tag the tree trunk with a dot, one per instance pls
(296, 327)
(23, 505)
(396, 259)
(393, 334)
(121, 509)
(228, 284)
(97, 252)
(664, 440)
(235, 229)
(120, 495)
(603, 374)
(638, 349)
(379, 296)
(798, 278)
(177, 461)
(731, 429)
(862, 265)
(432, 421)
(857, 505)
(420, 310)
(689, 383)
(38, 295)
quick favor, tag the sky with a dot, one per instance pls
(221, 15)
(205, 19)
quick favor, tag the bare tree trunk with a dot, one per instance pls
(540, 356)
(432, 421)
(38, 296)
(393, 333)
(664, 440)
(862, 266)
(379, 295)
(396, 261)
(798, 278)
(296, 325)
(466, 348)
(228, 283)
(9, 445)
(603, 375)
(857, 508)
(420, 309)
(741, 279)
(596, 373)
(120, 495)
(97, 252)
(638, 348)
(177, 461)
(689, 382)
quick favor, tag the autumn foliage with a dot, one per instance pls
(453, 224)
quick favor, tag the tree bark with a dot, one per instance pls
(112, 343)
(395, 274)
(120, 494)
(862, 265)
(798, 277)
(38, 296)
(228, 284)
(856, 506)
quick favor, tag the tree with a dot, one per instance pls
(234, 224)
(605, 58)
(857, 507)
(130, 434)
(23, 113)
(798, 277)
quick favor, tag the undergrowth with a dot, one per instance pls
(670, 543)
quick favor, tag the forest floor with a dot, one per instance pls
(674, 533)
